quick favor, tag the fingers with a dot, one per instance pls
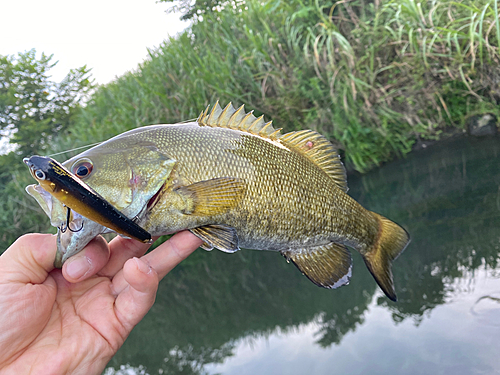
(87, 262)
(121, 250)
(29, 259)
(169, 254)
(136, 286)
(137, 298)
(165, 257)
(98, 258)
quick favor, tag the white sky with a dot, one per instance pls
(109, 36)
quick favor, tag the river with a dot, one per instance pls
(252, 313)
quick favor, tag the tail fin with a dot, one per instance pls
(391, 242)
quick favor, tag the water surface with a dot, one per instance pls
(252, 313)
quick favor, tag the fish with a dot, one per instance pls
(72, 193)
(235, 181)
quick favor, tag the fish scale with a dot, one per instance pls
(235, 181)
(299, 212)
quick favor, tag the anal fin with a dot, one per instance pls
(222, 237)
(328, 266)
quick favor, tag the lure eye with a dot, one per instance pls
(40, 174)
(82, 168)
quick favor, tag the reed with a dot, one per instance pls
(373, 76)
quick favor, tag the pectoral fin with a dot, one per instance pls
(222, 237)
(212, 197)
(328, 266)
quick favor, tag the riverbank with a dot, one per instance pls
(483, 126)
(379, 79)
(375, 78)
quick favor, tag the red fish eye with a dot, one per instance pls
(82, 168)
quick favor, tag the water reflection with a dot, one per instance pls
(487, 310)
(251, 312)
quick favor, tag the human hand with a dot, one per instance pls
(74, 320)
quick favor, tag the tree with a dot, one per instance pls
(197, 8)
(32, 107)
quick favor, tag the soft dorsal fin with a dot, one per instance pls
(320, 151)
(237, 119)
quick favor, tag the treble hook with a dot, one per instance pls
(66, 227)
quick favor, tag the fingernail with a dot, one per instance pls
(142, 266)
(78, 267)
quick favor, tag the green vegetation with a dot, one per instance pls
(33, 111)
(375, 77)
(37, 108)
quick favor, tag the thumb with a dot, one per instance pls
(29, 259)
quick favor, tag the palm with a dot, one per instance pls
(54, 326)
(66, 319)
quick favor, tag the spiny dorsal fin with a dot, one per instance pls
(237, 119)
(320, 151)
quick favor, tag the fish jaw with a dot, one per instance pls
(53, 208)
(73, 240)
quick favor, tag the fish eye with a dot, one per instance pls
(82, 168)
(39, 174)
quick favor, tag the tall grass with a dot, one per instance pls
(375, 77)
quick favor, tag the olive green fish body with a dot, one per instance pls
(234, 181)
(288, 201)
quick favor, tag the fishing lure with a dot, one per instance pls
(78, 196)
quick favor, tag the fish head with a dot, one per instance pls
(125, 172)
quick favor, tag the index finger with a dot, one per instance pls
(170, 253)
(165, 257)
(121, 250)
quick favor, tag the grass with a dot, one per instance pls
(374, 77)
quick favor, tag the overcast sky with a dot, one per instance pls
(109, 36)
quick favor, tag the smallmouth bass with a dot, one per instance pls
(234, 181)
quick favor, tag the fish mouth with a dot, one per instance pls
(76, 231)
(73, 232)
(71, 242)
